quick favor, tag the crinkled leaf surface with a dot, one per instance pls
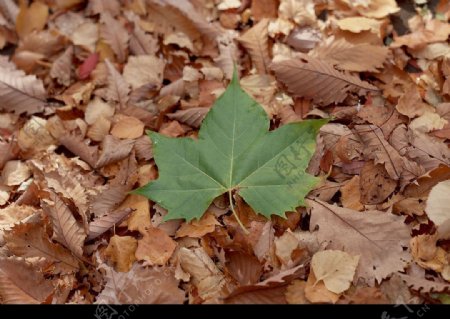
(234, 151)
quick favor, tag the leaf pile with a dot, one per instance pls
(357, 212)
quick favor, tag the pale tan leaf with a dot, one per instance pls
(192, 116)
(30, 240)
(359, 24)
(115, 35)
(102, 6)
(14, 173)
(102, 224)
(96, 109)
(121, 251)
(10, 10)
(376, 236)
(255, 41)
(62, 67)
(438, 203)
(66, 229)
(86, 35)
(374, 8)
(127, 127)
(99, 130)
(20, 93)
(142, 70)
(117, 89)
(205, 275)
(228, 53)
(21, 284)
(140, 218)
(314, 79)
(335, 268)
(141, 285)
(351, 57)
(156, 246)
(113, 150)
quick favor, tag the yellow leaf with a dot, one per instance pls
(31, 18)
(121, 251)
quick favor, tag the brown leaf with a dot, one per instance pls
(411, 104)
(316, 292)
(255, 41)
(142, 43)
(30, 241)
(317, 80)
(102, 224)
(113, 150)
(141, 285)
(375, 184)
(66, 229)
(115, 35)
(143, 70)
(351, 57)
(295, 293)
(192, 116)
(21, 284)
(424, 285)
(265, 296)
(101, 6)
(77, 146)
(351, 195)
(120, 251)
(62, 67)
(156, 246)
(377, 236)
(108, 199)
(20, 93)
(245, 268)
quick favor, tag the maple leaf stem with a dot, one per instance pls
(235, 214)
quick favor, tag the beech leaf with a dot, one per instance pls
(315, 79)
(266, 168)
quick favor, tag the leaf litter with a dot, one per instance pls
(357, 213)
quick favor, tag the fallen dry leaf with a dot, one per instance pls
(155, 247)
(120, 251)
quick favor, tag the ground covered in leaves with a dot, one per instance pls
(81, 81)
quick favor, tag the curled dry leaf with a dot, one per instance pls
(192, 116)
(335, 268)
(20, 283)
(205, 275)
(381, 251)
(115, 35)
(312, 78)
(255, 41)
(120, 252)
(66, 229)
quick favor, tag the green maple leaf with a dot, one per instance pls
(234, 152)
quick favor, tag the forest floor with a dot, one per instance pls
(81, 82)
